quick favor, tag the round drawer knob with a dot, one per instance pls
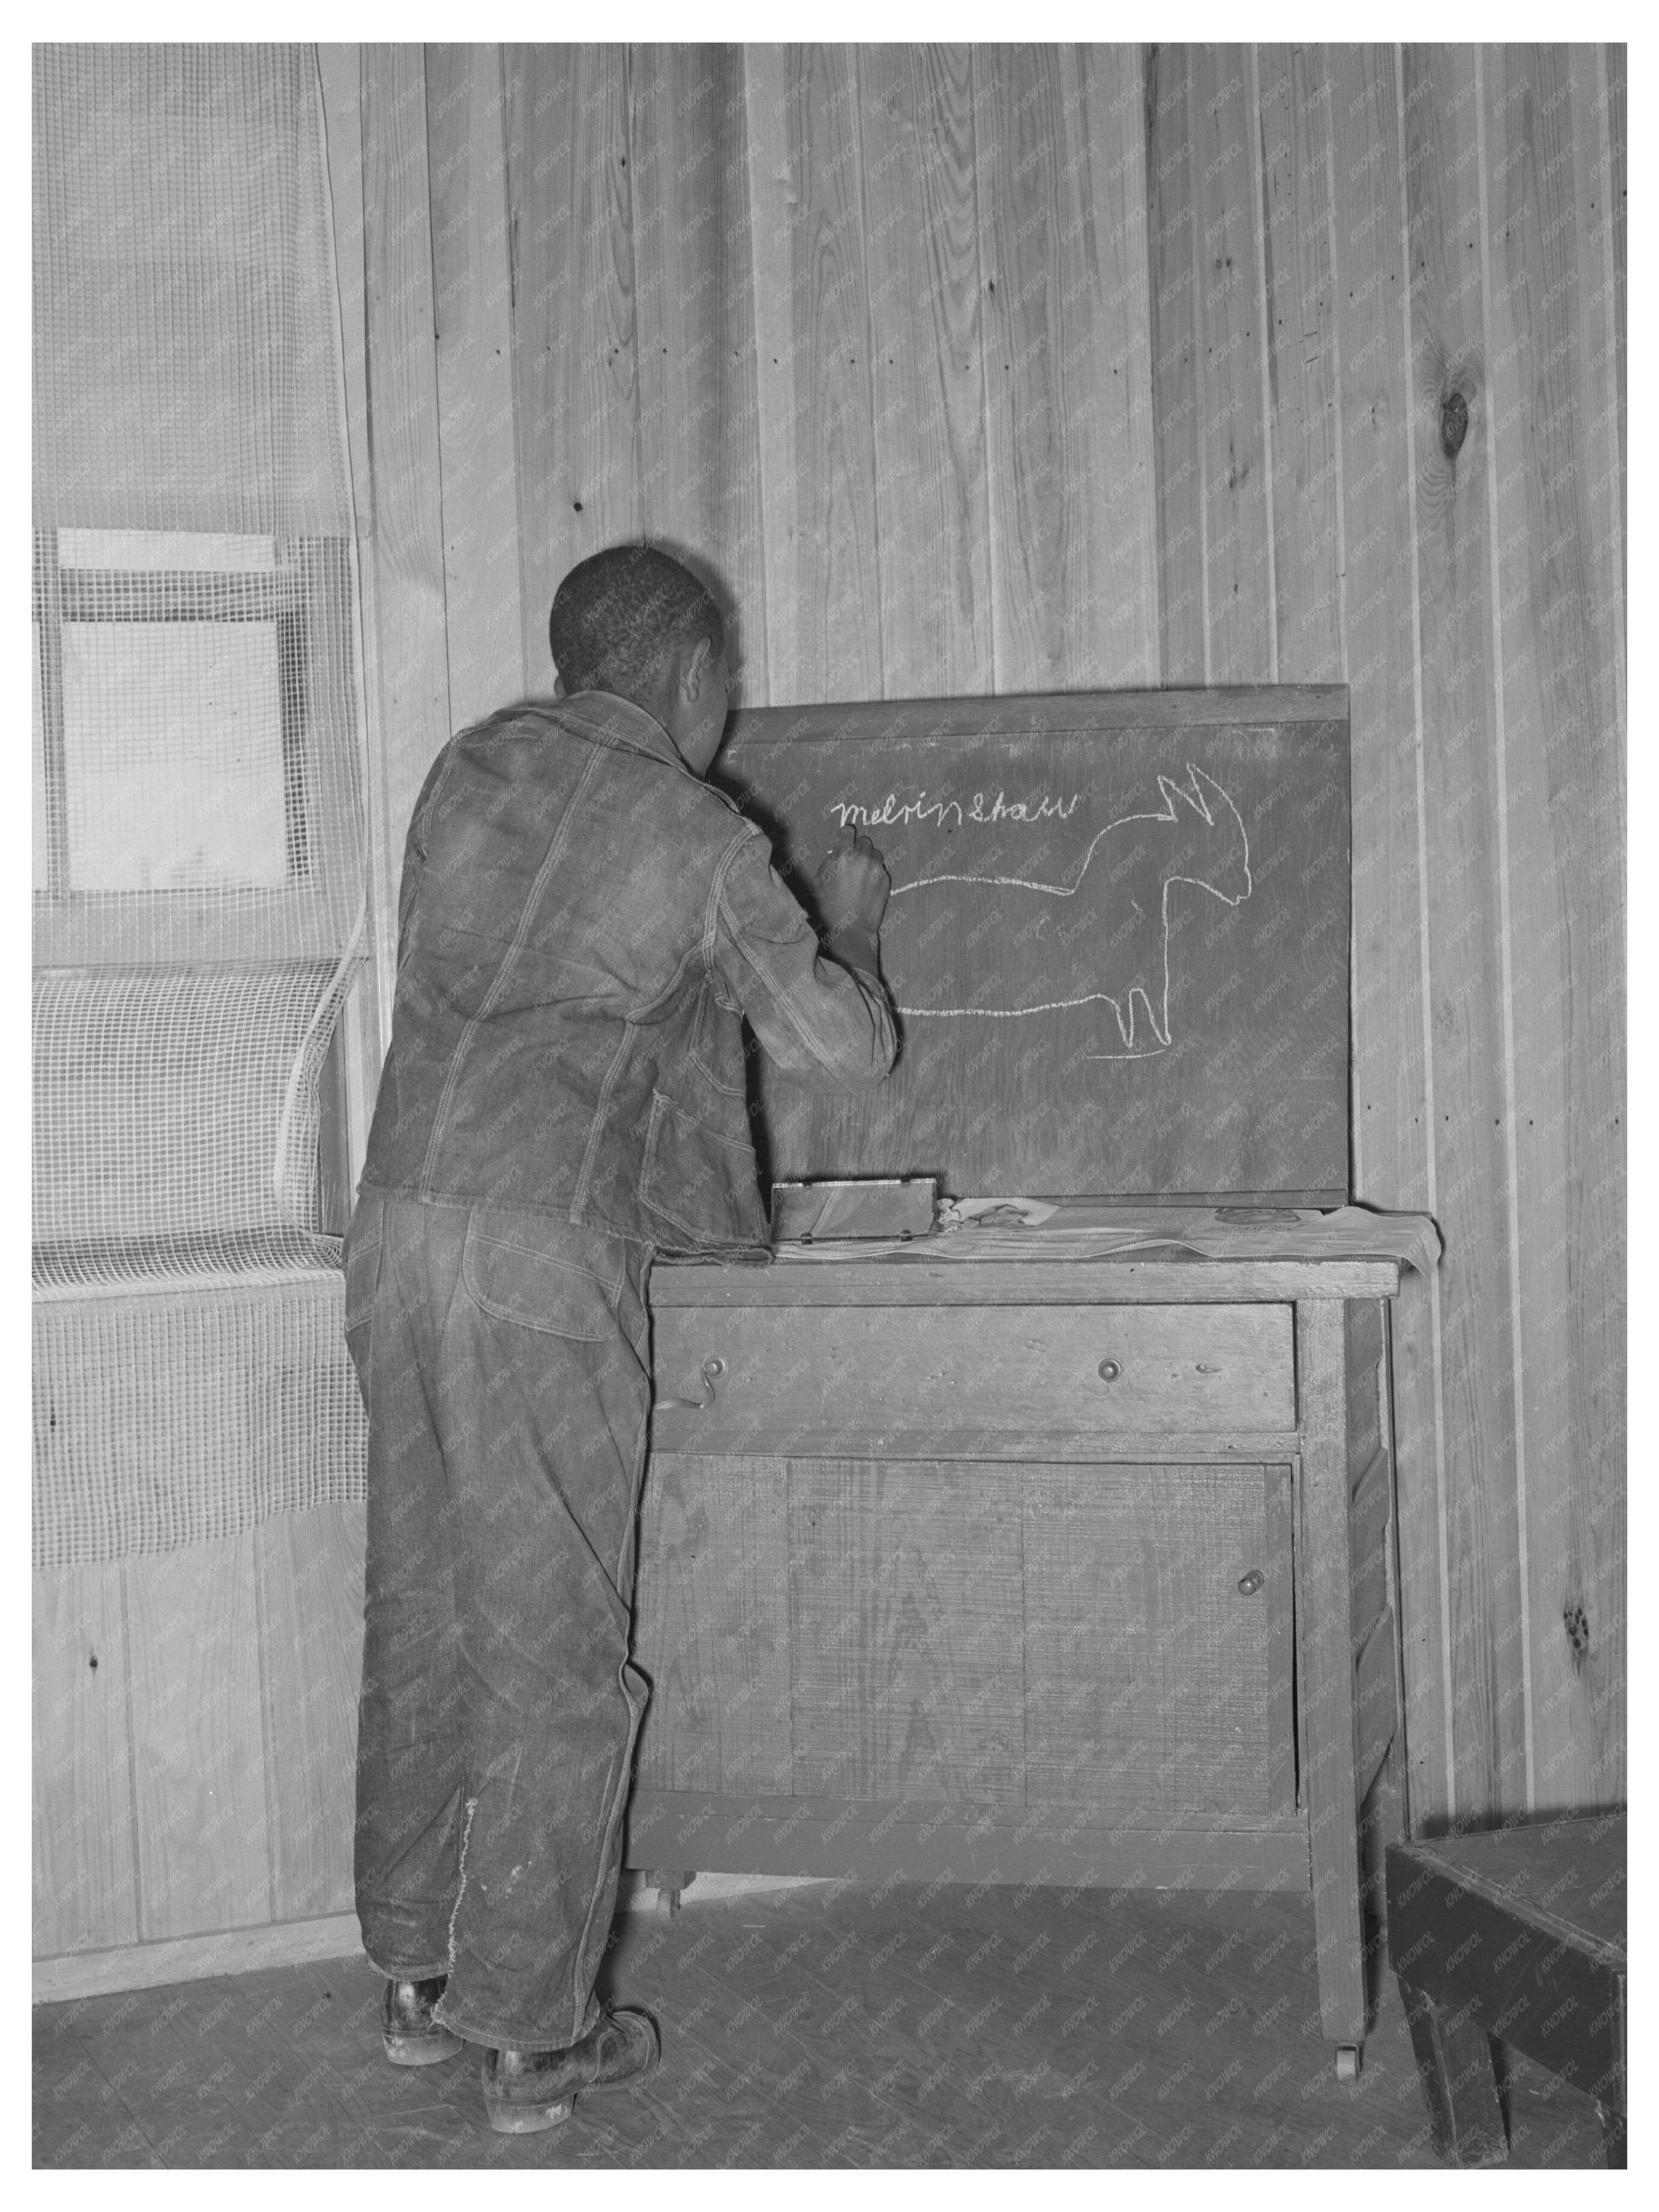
(1109, 1371)
(1250, 1583)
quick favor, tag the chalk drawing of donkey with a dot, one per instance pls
(1104, 935)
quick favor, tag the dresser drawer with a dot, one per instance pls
(749, 1378)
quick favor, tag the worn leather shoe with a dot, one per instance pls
(411, 2036)
(527, 2090)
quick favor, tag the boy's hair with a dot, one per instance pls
(617, 614)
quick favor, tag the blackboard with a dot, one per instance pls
(1117, 938)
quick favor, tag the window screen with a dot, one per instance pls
(195, 787)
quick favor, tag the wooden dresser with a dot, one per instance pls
(1071, 1572)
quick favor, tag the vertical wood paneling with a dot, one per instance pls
(1233, 313)
(407, 552)
(194, 1770)
(1112, 97)
(1489, 556)
(1393, 1152)
(1549, 381)
(1598, 205)
(571, 211)
(921, 245)
(1173, 312)
(1306, 486)
(472, 287)
(1461, 740)
(198, 1740)
(310, 1571)
(1609, 500)
(694, 317)
(1061, 196)
(85, 1894)
(340, 75)
(1616, 129)
(1598, 111)
(816, 401)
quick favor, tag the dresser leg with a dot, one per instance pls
(668, 1883)
(1453, 2064)
(1327, 1668)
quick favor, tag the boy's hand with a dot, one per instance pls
(851, 884)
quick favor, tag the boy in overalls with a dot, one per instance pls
(583, 923)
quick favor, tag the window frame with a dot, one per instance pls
(308, 595)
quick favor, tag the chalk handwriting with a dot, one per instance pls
(895, 813)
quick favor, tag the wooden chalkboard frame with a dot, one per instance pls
(769, 751)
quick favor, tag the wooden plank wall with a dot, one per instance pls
(969, 370)
(195, 1728)
(1388, 379)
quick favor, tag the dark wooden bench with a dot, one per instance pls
(1517, 1936)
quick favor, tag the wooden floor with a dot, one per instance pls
(823, 2026)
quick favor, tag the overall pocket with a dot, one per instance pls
(562, 1280)
(716, 1047)
(701, 1183)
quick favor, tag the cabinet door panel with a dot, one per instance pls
(904, 1614)
(1152, 1684)
(969, 1632)
(712, 1624)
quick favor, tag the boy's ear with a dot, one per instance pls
(695, 667)
(559, 691)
